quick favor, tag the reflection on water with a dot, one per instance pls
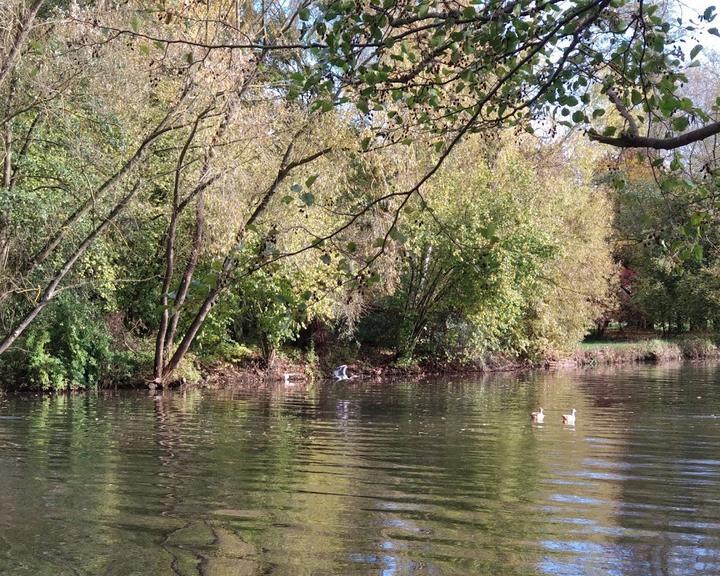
(411, 478)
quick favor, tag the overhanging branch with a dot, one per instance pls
(626, 140)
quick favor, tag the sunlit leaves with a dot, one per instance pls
(490, 67)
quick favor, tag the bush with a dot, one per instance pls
(70, 348)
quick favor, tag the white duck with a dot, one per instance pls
(569, 418)
(538, 416)
(286, 378)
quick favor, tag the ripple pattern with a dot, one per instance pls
(407, 478)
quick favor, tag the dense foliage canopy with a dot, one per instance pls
(223, 179)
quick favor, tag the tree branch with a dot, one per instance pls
(22, 33)
(624, 112)
(627, 140)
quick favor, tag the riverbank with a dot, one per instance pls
(381, 367)
(654, 351)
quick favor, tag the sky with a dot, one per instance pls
(692, 9)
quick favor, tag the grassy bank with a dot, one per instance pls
(648, 351)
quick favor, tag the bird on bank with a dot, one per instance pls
(538, 416)
(340, 372)
(569, 418)
(287, 376)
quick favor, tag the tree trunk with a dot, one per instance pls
(229, 264)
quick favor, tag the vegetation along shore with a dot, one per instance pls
(397, 186)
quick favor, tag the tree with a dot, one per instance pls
(75, 156)
(195, 75)
(504, 253)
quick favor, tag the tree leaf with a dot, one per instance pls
(680, 123)
(308, 198)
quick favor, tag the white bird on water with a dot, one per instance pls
(538, 416)
(569, 418)
(340, 372)
(287, 376)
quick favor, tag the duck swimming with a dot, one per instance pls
(569, 418)
(538, 416)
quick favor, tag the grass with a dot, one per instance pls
(649, 351)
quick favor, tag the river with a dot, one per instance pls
(437, 477)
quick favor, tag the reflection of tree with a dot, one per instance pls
(408, 478)
(197, 544)
(576, 503)
(435, 486)
(668, 473)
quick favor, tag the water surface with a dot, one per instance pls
(410, 478)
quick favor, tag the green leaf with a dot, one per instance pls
(308, 198)
(326, 259)
(304, 14)
(695, 51)
(668, 105)
(396, 235)
(423, 10)
(609, 130)
(680, 123)
(709, 13)
(578, 117)
(311, 180)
